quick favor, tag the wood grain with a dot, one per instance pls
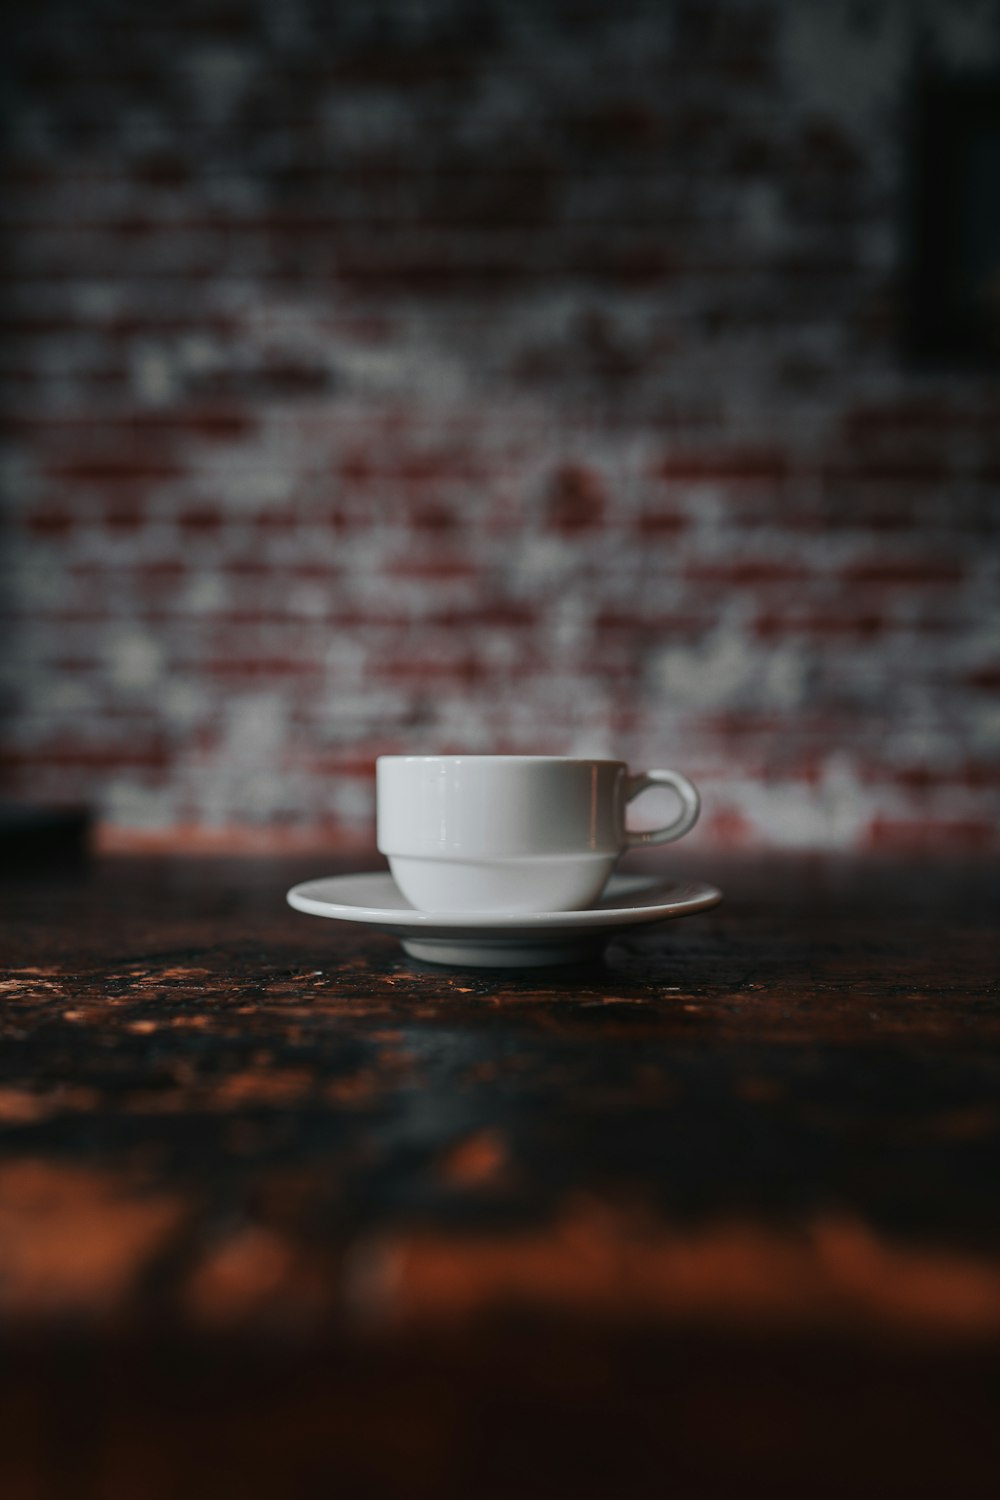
(283, 1212)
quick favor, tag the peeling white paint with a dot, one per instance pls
(134, 659)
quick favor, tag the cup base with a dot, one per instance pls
(484, 955)
(541, 883)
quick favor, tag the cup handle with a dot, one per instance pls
(686, 818)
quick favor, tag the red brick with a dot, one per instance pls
(615, 125)
(433, 467)
(658, 523)
(898, 471)
(648, 620)
(904, 572)
(729, 828)
(112, 469)
(975, 775)
(123, 423)
(201, 518)
(490, 617)
(281, 668)
(434, 518)
(73, 663)
(747, 572)
(105, 757)
(50, 523)
(441, 567)
(577, 499)
(429, 669)
(356, 764)
(825, 147)
(734, 465)
(124, 517)
(504, 548)
(357, 467)
(274, 520)
(166, 571)
(932, 836)
(910, 417)
(864, 625)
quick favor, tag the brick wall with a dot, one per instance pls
(515, 376)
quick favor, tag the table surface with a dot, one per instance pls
(283, 1212)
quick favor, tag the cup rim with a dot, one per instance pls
(563, 760)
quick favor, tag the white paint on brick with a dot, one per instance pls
(309, 600)
(134, 659)
(375, 119)
(795, 815)
(184, 703)
(595, 741)
(726, 669)
(967, 34)
(255, 726)
(199, 355)
(203, 593)
(130, 805)
(154, 375)
(258, 483)
(762, 215)
(833, 64)
(985, 731)
(66, 697)
(218, 77)
(97, 299)
(349, 801)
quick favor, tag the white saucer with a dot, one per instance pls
(506, 939)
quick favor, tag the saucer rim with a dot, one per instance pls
(697, 895)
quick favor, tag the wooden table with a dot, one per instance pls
(284, 1214)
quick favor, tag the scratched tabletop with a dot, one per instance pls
(285, 1213)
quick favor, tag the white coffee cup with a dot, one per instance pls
(512, 833)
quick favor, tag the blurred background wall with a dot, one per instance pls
(488, 376)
